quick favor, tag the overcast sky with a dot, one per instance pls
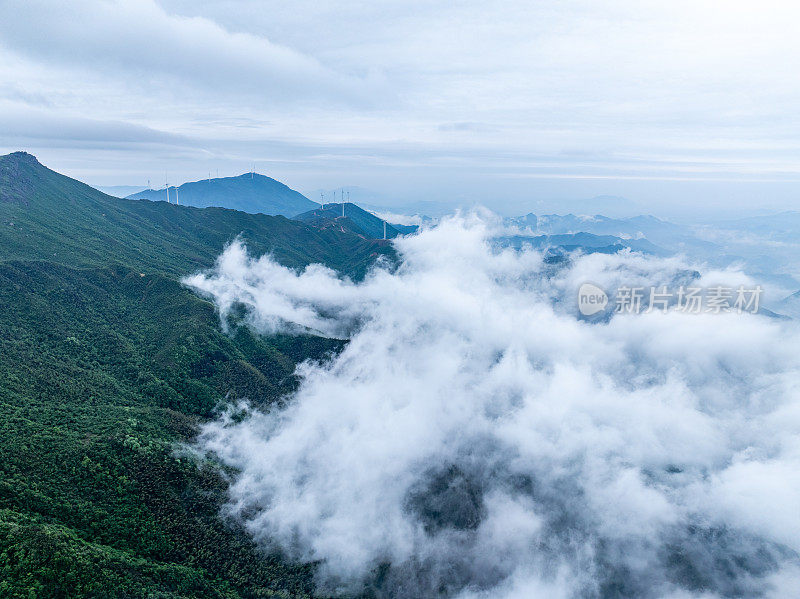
(674, 105)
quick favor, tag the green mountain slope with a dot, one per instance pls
(47, 216)
(250, 192)
(355, 219)
(107, 365)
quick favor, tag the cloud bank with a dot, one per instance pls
(475, 439)
(143, 42)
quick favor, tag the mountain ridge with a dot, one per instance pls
(108, 364)
(357, 219)
(249, 192)
(48, 216)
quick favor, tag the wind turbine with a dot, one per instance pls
(384, 229)
(177, 201)
(166, 186)
(322, 199)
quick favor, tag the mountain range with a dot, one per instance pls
(351, 217)
(250, 192)
(633, 227)
(587, 242)
(107, 365)
(47, 216)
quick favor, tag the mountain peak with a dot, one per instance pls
(17, 171)
(248, 192)
(20, 158)
(354, 219)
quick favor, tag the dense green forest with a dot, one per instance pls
(107, 365)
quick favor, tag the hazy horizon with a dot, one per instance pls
(683, 108)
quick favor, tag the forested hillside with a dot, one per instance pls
(107, 364)
(355, 219)
(249, 192)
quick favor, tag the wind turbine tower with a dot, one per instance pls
(166, 186)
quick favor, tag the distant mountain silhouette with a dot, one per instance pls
(555, 224)
(251, 192)
(355, 220)
(588, 242)
(107, 363)
(783, 226)
(47, 216)
(671, 236)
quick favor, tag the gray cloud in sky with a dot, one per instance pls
(676, 104)
(30, 126)
(141, 40)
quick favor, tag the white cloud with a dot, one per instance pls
(475, 435)
(140, 42)
(24, 125)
